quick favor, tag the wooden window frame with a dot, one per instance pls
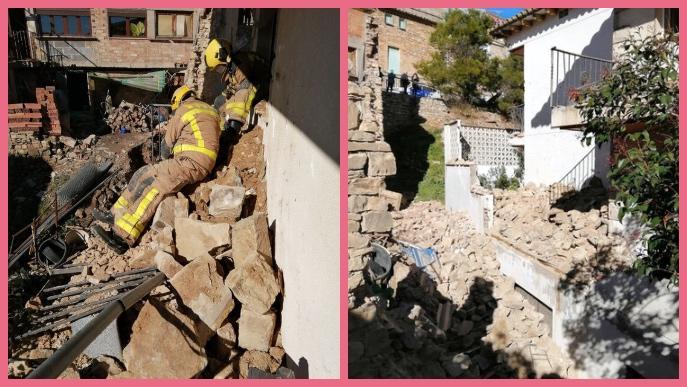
(388, 15)
(127, 14)
(175, 13)
(402, 23)
(54, 13)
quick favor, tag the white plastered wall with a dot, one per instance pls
(550, 152)
(302, 154)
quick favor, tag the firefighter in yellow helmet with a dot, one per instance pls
(245, 76)
(189, 150)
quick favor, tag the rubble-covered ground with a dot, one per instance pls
(493, 331)
(570, 235)
(219, 312)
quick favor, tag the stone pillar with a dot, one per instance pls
(369, 162)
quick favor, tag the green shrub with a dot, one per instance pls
(635, 107)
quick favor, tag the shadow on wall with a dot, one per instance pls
(28, 178)
(626, 326)
(409, 143)
(288, 87)
(600, 46)
(400, 343)
(593, 196)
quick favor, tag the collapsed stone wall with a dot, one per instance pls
(50, 148)
(369, 158)
(196, 69)
(403, 110)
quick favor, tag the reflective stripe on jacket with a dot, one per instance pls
(194, 132)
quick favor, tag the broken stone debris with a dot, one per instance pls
(250, 241)
(169, 209)
(226, 201)
(201, 288)
(561, 235)
(165, 343)
(254, 285)
(491, 325)
(195, 238)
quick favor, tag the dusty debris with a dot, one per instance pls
(128, 117)
(493, 331)
(564, 234)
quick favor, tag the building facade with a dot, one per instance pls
(564, 50)
(87, 52)
(113, 38)
(403, 35)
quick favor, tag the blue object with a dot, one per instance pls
(422, 256)
(122, 130)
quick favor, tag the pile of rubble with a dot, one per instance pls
(458, 317)
(219, 312)
(51, 148)
(128, 117)
(568, 234)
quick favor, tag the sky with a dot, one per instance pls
(504, 12)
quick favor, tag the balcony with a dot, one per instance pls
(571, 73)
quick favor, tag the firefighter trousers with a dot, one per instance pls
(148, 186)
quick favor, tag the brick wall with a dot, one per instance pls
(413, 43)
(101, 50)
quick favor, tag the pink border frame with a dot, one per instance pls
(343, 5)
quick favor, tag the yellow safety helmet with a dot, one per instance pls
(179, 95)
(217, 53)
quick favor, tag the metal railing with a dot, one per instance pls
(19, 46)
(51, 54)
(575, 179)
(572, 72)
(421, 90)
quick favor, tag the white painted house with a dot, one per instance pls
(567, 49)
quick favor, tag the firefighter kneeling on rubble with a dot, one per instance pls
(245, 76)
(192, 142)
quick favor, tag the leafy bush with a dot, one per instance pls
(635, 107)
(498, 178)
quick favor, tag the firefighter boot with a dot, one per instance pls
(116, 243)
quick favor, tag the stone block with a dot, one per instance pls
(357, 160)
(254, 285)
(251, 241)
(165, 344)
(377, 221)
(256, 330)
(195, 238)
(226, 201)
(201, 288)
(381, 164)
